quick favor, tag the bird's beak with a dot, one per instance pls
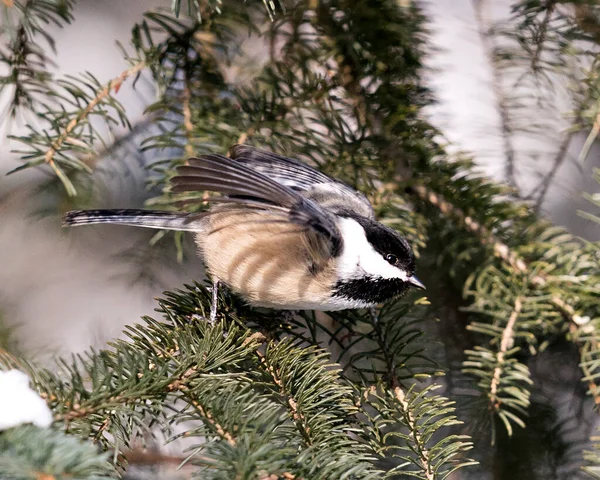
(415, 282)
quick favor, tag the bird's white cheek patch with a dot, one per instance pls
(359, 258)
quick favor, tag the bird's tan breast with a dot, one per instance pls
(265, 261)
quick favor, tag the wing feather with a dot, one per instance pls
(244, 185)
(332, 194)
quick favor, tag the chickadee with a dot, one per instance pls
(284, 235)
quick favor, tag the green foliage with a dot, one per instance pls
(407, 424)
(32, 453)
(24, 36)
(266, 406)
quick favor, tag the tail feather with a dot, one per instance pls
(136, 218)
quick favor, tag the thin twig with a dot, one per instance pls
(297, 416)
(507, 338)
(115, 83)
(224, 434)
(413, 427)
(543, 32)
(559, 159)
(187, 120)
(486, 237)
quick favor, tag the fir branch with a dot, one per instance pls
(207, 417)
(25, 34)
(559, 159)
(503, 380)
(501, 250)
(542, 34)
(29, 452)
(471, 224)
(422, 452)
(406, 426)
(292, 403)
(219, 378)
(507, 340)
(63, 136)
(538, 280)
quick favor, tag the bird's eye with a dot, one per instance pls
(392, 259)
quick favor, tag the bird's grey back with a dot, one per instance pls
(335, 196)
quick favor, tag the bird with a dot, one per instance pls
(280, 234)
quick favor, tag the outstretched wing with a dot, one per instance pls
(249, 188)
(332, 194)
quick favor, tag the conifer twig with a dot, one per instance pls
(507, 338)
(412, 425)
(293, 405)
(187, 119)
(486, 237)
(543, 32)
(115, 84)
(225, 435)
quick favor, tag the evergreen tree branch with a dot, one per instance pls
(24, 55)
(541, 35)
(29, 452)
(297, 416)
(422, 452)
(221, 381)
(559, 159)
(406, 426)
(63, 136)
(501, 250)
(540, 281)
(507, 340)
(471, 224)
(503, 381)
(207, 417)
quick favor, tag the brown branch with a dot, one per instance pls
(211, 421)
(115, 84)
(486, 237)
(543, 32)
(179, 384)
(559, 159)
(291, 402)
(413, 427)
(187, 120)
(505, 342)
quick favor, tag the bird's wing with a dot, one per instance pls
(332, 194)
(248, 188)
